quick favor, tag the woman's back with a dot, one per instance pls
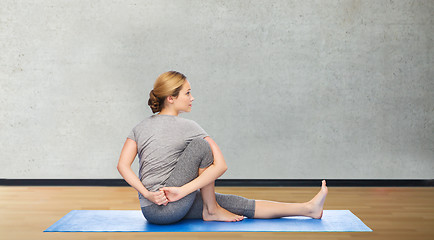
(160, 140)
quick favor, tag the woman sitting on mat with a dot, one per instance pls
(177, 158)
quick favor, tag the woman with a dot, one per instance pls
(177, 158)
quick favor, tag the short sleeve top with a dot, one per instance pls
(160, 140)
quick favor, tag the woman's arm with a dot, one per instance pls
(128, 154)
(210, 174)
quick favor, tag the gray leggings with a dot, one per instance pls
(197, 154)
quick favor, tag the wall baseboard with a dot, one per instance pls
(233, 182)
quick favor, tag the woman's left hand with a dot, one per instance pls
(173, 194)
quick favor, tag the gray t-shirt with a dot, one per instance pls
(160, 140)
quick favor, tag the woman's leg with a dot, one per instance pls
(211, 210)
(263, 208)
(313, 208)
(208, 196)
(197, 154)
(233, 203)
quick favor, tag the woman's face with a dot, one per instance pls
(185, 99)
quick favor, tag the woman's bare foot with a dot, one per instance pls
(221, 214)
(315, 205)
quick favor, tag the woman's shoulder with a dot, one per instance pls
(193, 124)
(172, 119)
(143, 122)
(187, 120)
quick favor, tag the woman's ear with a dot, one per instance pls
(170, 99)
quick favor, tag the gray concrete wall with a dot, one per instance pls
(287, 89)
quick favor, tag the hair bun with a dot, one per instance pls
(154, 102)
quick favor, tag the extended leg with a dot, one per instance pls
(313, 208)
(271, 209)
(261, 208)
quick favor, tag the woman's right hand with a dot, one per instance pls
(173, 194)
(158, 198)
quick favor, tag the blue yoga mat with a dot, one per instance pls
(133, 221)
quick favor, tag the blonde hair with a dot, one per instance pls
(167, 84)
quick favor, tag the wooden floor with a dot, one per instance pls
(391, 212)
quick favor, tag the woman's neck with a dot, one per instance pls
(168, 113)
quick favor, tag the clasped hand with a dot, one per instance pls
(166, 195)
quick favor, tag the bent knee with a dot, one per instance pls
(207, 155)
